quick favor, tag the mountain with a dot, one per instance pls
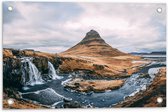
(151, 53)
(94, 55)
(158, 53)
(93, 45)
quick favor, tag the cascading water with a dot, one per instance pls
(52, 71)
(30, 73)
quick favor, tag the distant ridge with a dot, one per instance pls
(151, 53)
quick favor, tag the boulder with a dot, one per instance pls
(71, 104)
(42, 64)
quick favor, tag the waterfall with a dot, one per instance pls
(30, 73)
(52, 71)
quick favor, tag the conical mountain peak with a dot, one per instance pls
(92, 34)
(93, 45)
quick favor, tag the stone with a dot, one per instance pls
(98, 67)
(144, 75)
(12, 72)
(71, 104)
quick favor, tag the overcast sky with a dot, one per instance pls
(55, 27)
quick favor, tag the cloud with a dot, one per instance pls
(124, 25)
(55, 27)
(8, 17)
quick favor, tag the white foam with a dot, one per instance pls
(37, 92)
(107, 91)
(138, 90)
(140, 61)
(66, 81)
(56, 103)
(153, 71)
(47, 89)
(25, 88)
(52, 72)
(133, 93)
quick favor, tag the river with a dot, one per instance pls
(53, 92)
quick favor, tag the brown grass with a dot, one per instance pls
(95, 85)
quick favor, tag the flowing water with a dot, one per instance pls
(52, 72)
(30, 73)
(52, 93)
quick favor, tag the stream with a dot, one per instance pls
(53, 93)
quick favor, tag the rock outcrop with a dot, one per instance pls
(12, 63)
(12, 74)
(94, 85)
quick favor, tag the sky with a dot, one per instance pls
(55, 27)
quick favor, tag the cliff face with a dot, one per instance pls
(12, 64)
(93, 45)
